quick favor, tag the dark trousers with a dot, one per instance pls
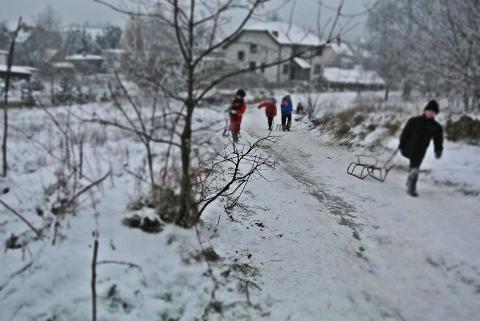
(415, 162)
(270, 122)
(286, 121)
(413, 174)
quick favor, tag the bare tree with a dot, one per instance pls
(430, 44)
(449, 45)
(11, 53)
(197, 28)
(387, 44)
(48, 19)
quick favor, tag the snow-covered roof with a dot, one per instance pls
(81, 57)
(13, 24)
(18, 69)
(63, 65)
(287, 34)
(357, 75)
(114, 51)
(23, 36)
(341, 49)
(363, 53)
(302, 63)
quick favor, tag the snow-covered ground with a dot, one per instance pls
(332, 247)
(308, 243)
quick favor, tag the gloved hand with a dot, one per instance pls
(438, 154)
(233, 112)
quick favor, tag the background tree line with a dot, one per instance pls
(429, 45)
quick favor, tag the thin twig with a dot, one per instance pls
(20, 216)
(129, 264)
(83, 190)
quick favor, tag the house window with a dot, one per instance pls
(262, 68)
(319, 51)
(241, 55)
(317, 69)
(285, 69)
(253, 65)
(253, 48)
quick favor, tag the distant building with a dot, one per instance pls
(17, 72)
(356, 78)
(113, 58)
(3, 57)
(260, 44)
(86, 63)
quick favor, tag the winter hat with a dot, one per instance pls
(433, 106)
(241, 93)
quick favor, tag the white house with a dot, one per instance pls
(263, 43)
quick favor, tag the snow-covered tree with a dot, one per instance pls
(48, 19)
(432, 45)
(387, 44)
(80, 41)
(110, 37)
(4, 36)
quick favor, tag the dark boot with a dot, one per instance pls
(412, 182)
(235, 137)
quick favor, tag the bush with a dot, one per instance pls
(393, 128)
(464, 129)
(371, 128)
(342, 131)
(358, 120)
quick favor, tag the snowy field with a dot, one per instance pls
(308, 243)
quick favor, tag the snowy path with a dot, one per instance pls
(331, 247)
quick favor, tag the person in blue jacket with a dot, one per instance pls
(287, 108)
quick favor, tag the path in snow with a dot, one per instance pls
(332, 247)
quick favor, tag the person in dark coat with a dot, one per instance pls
(300, 109)
(236, 110)
(287, 108)
(270, 110)
(415, 139)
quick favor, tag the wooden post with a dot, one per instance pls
(94, 280)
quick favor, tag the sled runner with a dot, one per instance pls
(366, 165)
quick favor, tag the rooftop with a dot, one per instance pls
(25, 70)
(80, 57)
(357, 75)
(287, 34)
(341, 49)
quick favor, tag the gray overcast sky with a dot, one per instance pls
(79, 11)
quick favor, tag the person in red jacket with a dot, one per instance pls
(236, 110)
(270, 111)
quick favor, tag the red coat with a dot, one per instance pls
(270, 109)
(237, 109)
